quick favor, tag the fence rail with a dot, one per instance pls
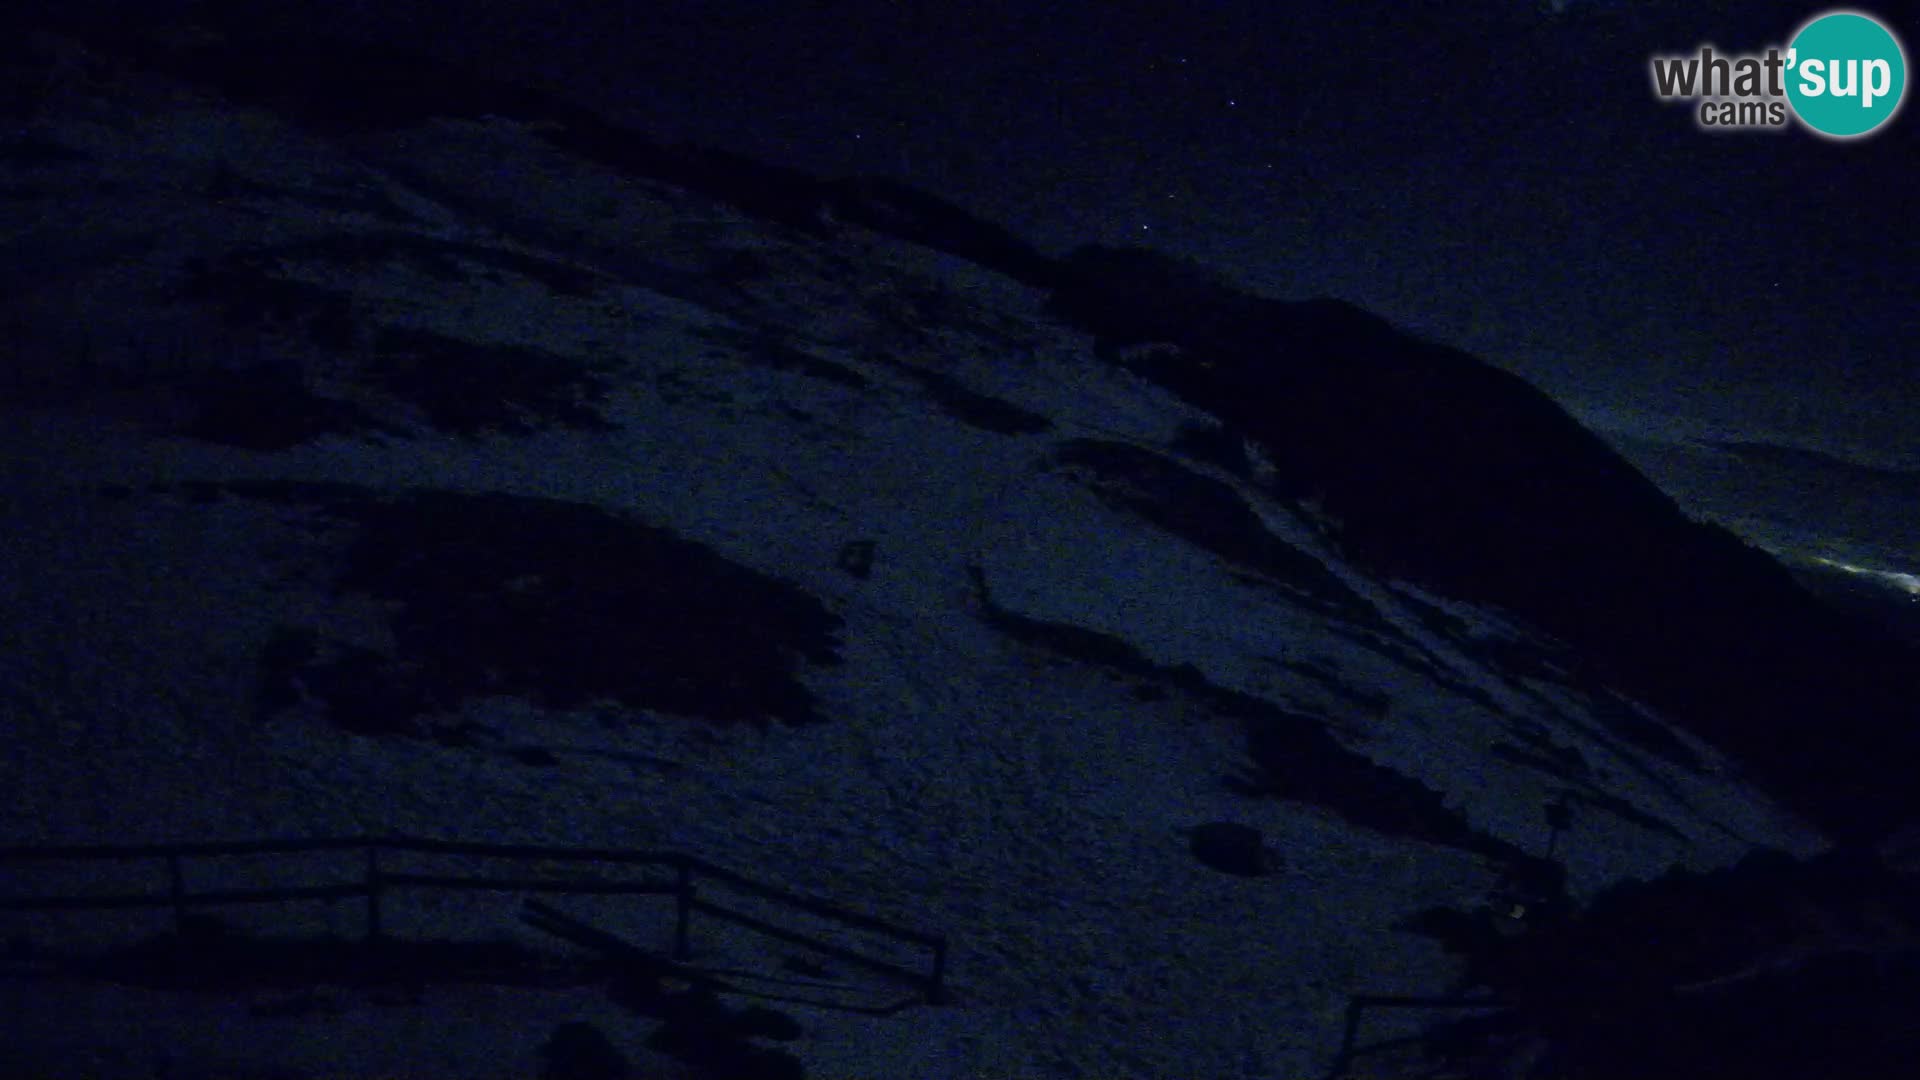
(375, 880)
(1360, 1003)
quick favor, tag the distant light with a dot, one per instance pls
(1907, 583)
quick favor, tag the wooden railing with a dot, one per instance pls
(377, 880)
(1360, 1003)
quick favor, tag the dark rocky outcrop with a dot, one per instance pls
(563, 603)
(1232, 848)
(897, 209)
(579, 1051)
(1211, 515)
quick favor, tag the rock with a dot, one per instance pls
(1233, 848)
(579, 1051)
(758, 1021)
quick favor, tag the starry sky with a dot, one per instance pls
(1494, 173)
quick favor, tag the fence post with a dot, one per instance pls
(936, 984)
(1351, 1032)
(177, 889)
(683, 913)
(373, 892)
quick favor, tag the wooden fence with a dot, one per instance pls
(1359, 1004)
(376, 881)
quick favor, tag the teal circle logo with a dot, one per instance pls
(1846, 74)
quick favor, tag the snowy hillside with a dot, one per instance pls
(433, 479)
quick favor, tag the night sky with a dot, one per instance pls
(1495, 173)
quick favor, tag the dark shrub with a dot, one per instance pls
(578, 1050)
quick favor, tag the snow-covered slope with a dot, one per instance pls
(437, 481)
